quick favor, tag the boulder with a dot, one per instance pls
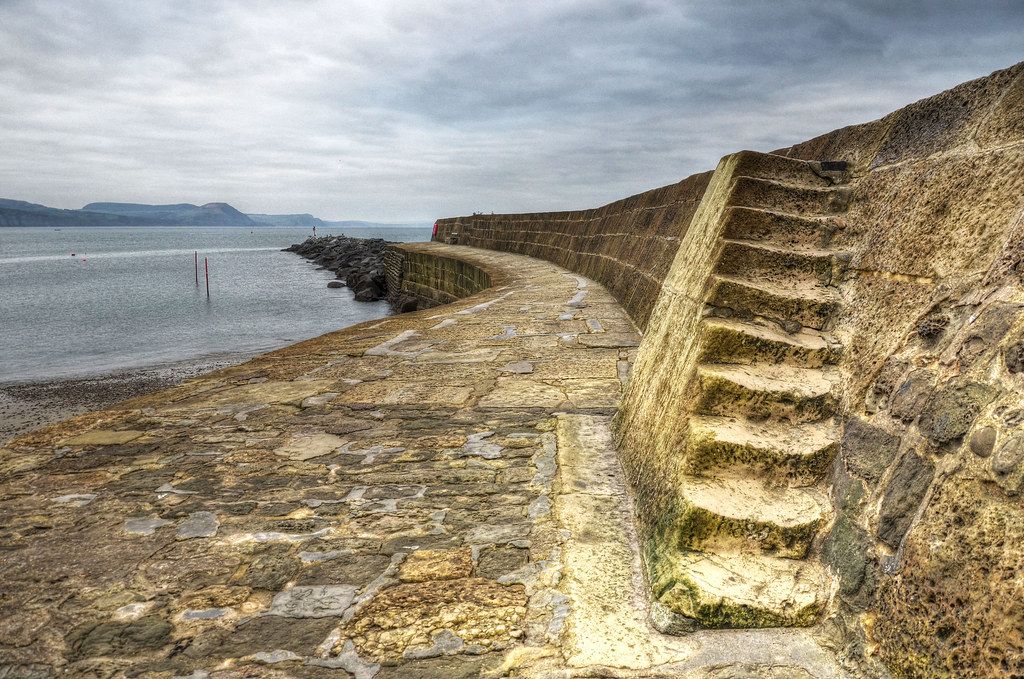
(912, 396)
(357, 262)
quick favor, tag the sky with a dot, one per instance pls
(397, 111)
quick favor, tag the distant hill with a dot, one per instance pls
(184, 214)
(22, 213)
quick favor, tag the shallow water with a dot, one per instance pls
(128, 298)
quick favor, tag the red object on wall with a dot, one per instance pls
(433, 235)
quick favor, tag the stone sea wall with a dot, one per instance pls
(924, 532)
(627, 246)
(427, 279)
(927, 535)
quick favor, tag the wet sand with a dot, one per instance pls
(25, 406)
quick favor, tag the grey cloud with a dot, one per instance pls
(412, 110)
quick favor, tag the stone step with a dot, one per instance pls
(789, 170)
(806, 304)
(741, 590)
(778, 264)
(799, 454)
(782, 229)
(731, 340)
(764, 391)
(742, 514)
(779, 196)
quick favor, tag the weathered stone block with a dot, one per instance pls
(902, 497)
(950, 414)
(868, 450)
(437, 564)
(498, 561)
(954, 608)
(848, 492)
(987, 330)
(845, 550)
(148, 633)
(880, 392)
(912, 396)
(982, 441)
(313, 601)
(1013, 357)
(943, 121)
(406, 620)
(1006, 464)
(264, 634)
(270, 570)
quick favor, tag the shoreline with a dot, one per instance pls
(26, 405)
(31, 404)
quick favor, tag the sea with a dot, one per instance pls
(87, 301)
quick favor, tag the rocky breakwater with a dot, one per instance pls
(357, 262)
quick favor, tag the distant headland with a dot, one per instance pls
(22, 213)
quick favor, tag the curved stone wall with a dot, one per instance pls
(627, 246)
(924, 487)
(431, 278)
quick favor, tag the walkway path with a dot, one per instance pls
(332, 503)
(382, 501)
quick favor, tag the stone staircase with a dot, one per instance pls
(762, 432)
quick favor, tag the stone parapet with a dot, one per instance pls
(627, 246)
(431, 278)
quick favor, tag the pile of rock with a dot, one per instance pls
(358, 262)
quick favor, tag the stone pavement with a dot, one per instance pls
(431, 495)
(375, 502)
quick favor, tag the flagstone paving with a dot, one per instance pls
(434, 495)
(375, 502)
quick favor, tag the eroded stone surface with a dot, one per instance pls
(198, 525)
(418, 620)
(437, 564)
(319, 601)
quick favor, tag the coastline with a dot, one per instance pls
(28, 405)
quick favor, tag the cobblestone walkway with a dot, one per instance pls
(375, 502)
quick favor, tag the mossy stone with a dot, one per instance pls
(845, 549)
(868, 450)
(903, 496)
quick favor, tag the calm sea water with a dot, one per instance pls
(128, 297)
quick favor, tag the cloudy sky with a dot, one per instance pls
(389, 110)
